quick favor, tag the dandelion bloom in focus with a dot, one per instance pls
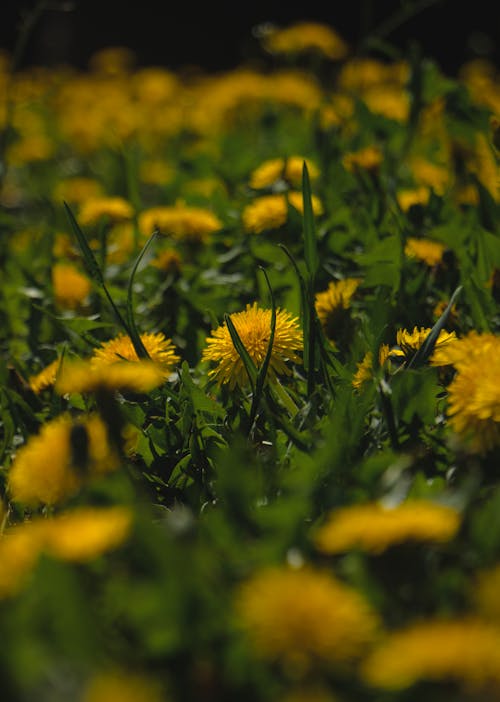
(183, 223)
(304, 617)
(374, 528)
(289, 169)
(304, 37)
(426, 250)
(113, 209)
(161, 351)
(474, 393)
(464, 651)
(271, 211)
(50, 467)
(85, 376)
(254, 328)
(71, 288)
(408, 342)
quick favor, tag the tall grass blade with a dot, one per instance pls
(135, 337)
(261, 374)
(250, 366)
(310, 243)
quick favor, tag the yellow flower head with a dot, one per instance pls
(77, 189)
(363, 371)
(426, 250)
(85, 376)
(430, 174)
(374, 528)
(167, 260)
(289, 169)
(45, 378)
(71, 288)
(368, 159)
(474, 395)
(160, 349)
(114, 209)
(304, 37)
(122, 686)
(332, 303)
(183, 223)
(19, 551)
(86, 532)
(408, 343)
(465, 651)
(408, 197)
(271, 211)
(52, 465)
(254, 327)
(304, 617)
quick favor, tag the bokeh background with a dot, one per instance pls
(219, 35)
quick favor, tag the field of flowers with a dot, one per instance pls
(250, 378)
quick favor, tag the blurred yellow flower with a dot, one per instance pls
(304, 37)
(485, 588)
(113, 209)
(122, 686)
(304, 618)
(271, 211)
(430, 174)
(52, 465)
(181, 222)
(466, 651)
(368, 159)
(426, 250)
(76, 190)
(161, 351)
(46, 377)
(85, 376)
(84, 533)
(19, 551)
(408, 197)
(289, 169)
(254, 327)
(71, 288)
(374, 528)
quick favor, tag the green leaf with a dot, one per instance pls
(310, 242)
(133, 332)
(261, 374)
(250, 366)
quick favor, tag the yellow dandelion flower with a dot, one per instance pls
(363, 371)
(112, 60)
(408, 197)
(304, 617)
(373, 527)
(156, 172)
(332, 303)
(271, 211)
(290, 169)
(254, 327)
(426, 250)
(161, 351)
(168, 260)
(368, 159)
(181, 222)
(430, 174)
(305, 37)
(463, 349)
(19, 550)
(46, 377)
(86, 532)
(85, 376)
(48, 468)
(114, 209)
(71, 288)
(465, 651)
(122, 686)
(408, 342)
(77, 189)
(390, 101)
(474, 400)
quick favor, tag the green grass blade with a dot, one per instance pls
(262, 371)
(92, 265)
(250, 366)
(310, 243)
(427, 347)
(135, 337)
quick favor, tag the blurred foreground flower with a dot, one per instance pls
(304, 618)
(53, 464)
(374, 528)
(254, 328)
(71, 288)
(465, 651)
(84, 376)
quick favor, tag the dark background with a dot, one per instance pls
(218, 36)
